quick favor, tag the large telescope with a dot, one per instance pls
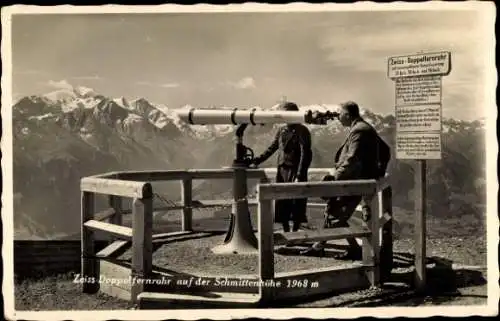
(254, 116)
(240, 238)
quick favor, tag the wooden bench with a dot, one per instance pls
(319, 235)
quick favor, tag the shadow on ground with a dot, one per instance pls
(444, 284)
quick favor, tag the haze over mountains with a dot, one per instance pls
(62, 136)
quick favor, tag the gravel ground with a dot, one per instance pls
(196, 256)
(60, 293)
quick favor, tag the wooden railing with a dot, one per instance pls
(377, 239)
(137, 186)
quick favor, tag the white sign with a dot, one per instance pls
(418, 103)
(423, 118)
(438, 63)
(418, 90)
(418, 145)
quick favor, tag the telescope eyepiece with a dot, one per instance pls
(321, 118)
(332, 114)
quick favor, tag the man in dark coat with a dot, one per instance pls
(293, 143)
(358, 157)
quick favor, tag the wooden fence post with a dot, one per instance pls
(187, 199)
(89, 265)
(420, 225)
(386, 249)
(116, 203)
(266, 247)
(371, 246)
(142, 245)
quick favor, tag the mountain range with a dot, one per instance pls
(62, 136)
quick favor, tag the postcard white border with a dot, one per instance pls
(489, 14)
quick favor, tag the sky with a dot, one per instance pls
(250, 59)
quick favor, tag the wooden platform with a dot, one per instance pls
(219, 289)
(173, 273)
(154, 300)
(288, 286)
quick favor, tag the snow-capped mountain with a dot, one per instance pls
(128, 112)
(64, 135)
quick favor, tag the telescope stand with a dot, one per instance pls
(240, 238)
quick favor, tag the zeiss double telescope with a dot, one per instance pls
(254, 116)
(240, 238)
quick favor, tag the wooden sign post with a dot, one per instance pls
(418, 109)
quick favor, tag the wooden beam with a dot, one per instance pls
(112, 175)
(114, 249)
(171, 234)
(266, 248)
(187, 198)
(420, 224)
(113, 270)
(116, 203)
(223, 173)
(371, 246)
(152, 300)
(116, 187)
(303, 284)
(210, 203)
(172, 175)
(115, 230)
(323, 235)
(317, 189)
(142, 244)
(217, 203)
(386, 248)
(152, 176)
(180, 174)
(270, 173)
(89, 266)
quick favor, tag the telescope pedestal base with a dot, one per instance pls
(240, 238)
(236, 248)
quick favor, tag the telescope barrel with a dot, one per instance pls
(254, 116)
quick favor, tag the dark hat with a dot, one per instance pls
(288, 106)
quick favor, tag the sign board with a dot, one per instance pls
(418, 103)
(418, 129)
(418, 145)
(438, 63)
(418, 118)
(418, 90)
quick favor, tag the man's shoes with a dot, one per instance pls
(351, 255)
(311, 251)
(333, 222)
(317, 249)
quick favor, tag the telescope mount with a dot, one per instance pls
(240, 238)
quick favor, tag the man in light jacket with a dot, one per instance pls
(363, 155)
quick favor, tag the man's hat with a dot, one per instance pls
(288, 106)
